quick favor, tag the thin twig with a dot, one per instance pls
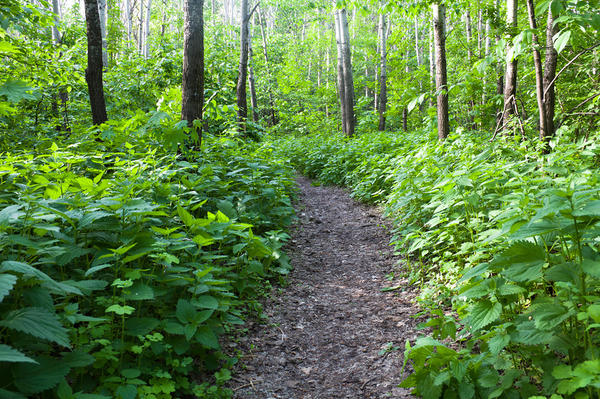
(252, 12)
(209, 100)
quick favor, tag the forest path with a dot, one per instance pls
(328, 330)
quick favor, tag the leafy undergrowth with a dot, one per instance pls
(122, 264)
(505, 235)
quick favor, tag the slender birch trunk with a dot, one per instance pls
(251, 80)
(431, 62)
(128, 21)
(382, 106)
(102, 13)
(147, 30)
(141, 28)
(272, 83)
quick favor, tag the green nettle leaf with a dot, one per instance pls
(35, 378)
(139, 292)
(549, 315)
(126, 392)
(207, 337)
(594, 312)
(9, 354)
(484, 313)
(29, 271)
(7, 282)
(591, 267)
(206, 302)
(37, 322)
(522, 261)
(140, 325)
(16, 90)
(185, 312)
(120, 309)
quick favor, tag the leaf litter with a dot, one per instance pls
(339, 328)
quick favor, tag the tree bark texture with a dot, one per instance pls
(128, 20)
(251, 80)
(193, 65)
(382, 104)
(549, 74)
(340, 69)
(431, 62)
(242, 101)
(93, 72)
(147, 29)
(141, 28)
(537, 63)
(348, 78)
(510, 81)
(441, 80)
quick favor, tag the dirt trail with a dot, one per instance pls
(328, 330)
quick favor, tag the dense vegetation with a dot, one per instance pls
(129, 251)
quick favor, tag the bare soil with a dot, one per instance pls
(332, 332)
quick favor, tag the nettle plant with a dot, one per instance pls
(121, 269)
(530, 316)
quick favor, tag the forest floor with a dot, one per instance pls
(332, 332)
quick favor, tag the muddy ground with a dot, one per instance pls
(332, 333)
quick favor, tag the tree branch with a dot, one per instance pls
(569, 63)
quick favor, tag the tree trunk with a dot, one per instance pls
(417, 48)
(128, 20)
(431, 62)
(510, 81)
(537, 63)
(383, 73)
(549, 74)
(93, 72)
(439, 32)
(193, 65)
(348, 78)
(141, 28)
(102, 13)
(147, 29)
(242, 101)
(271, 81)
(469, 34)
(55, 33)
(253, 99)
(340, 68)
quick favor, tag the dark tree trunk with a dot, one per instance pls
(549, 74)
(93, 72)
(441, 80)
(510, 85)
(242, 101)
(537, 62)
(193, 65)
